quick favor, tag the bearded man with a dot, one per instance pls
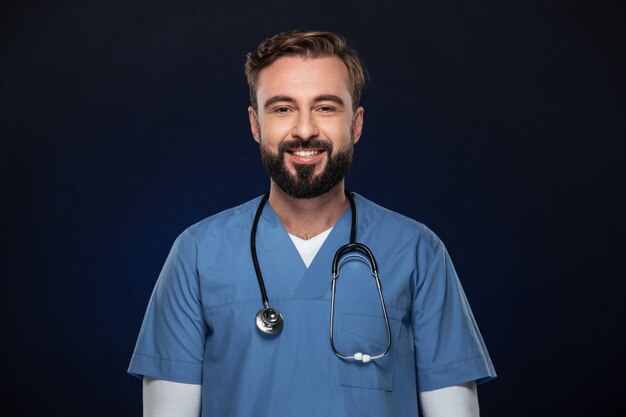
(361, 311)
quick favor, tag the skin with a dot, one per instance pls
(305, 98)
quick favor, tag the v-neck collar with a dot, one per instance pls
(317, 279)
(284, 272)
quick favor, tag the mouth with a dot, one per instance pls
(306, 156)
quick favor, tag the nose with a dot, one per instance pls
(305, 127)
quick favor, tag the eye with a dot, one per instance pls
(326, 109)
(281, 110)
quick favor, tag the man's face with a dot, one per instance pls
(305, 124)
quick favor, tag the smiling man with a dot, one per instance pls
(394, 333)
(303, 118)
(306, 138)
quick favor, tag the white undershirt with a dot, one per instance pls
(308, 248)
(174, 399)
(455, 401)
(170, 399)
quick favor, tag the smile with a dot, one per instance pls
(306, 153)
(306, 156)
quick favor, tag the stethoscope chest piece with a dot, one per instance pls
(269, 321)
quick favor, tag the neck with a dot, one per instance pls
(307, 218)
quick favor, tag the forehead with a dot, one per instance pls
(298, 76)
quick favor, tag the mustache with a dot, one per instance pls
(292, 144)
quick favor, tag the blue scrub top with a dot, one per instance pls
(199, 326)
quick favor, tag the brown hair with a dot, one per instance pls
(307, 44)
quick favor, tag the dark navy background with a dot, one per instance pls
(499, 124)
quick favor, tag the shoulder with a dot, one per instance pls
(233, 222)
(392, 223)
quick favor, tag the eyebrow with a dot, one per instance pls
(323, 97)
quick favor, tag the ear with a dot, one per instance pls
(254, 123)
(357, 123)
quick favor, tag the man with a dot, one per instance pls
(199, 351)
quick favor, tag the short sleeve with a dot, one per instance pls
(448, 345)
(171, 341)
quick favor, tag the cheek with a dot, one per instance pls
(340, 132)
(274, 131)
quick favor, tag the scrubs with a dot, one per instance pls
(199, 326)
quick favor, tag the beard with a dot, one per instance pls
(304, 184)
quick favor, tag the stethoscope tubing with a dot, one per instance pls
(369, 259)
(255, 259)
(270, 321)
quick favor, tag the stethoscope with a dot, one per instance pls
(271, 322)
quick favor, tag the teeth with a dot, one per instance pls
(306, 153)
